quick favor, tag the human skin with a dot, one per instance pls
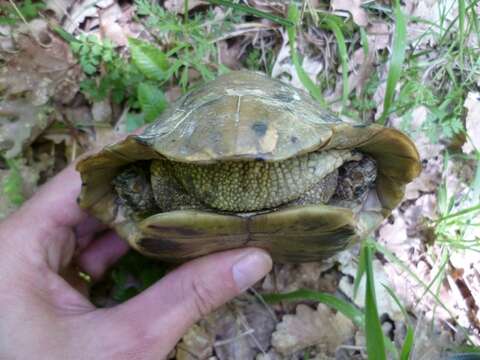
(42, 316)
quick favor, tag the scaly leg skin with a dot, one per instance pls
(347, 186)
(157, 190)
(168, 192)
(321, 192)
(145, 191)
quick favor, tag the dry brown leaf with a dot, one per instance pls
(78, 13)
(110, 27)
(241, 329)
(430, 12)
(229, 55)
(472, 123)
(59, 7)
(102, 111)
(291, 277)
(196, 344)
(359, 15)
(428, 180)
(385, 303)
(278, 7)
(394, 232)
(430, 342)
(284, 69)
(20, 124)
(361, 68)
(308, 327)
(40, 73)
(178, 6)
(378, 34)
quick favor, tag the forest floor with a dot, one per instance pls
(74, 74)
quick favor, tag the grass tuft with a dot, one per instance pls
(396, 62)
(373, 327)
(293, 16)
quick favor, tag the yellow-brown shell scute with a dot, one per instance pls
(241, 115)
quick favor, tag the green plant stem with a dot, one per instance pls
(253, 11)
(373, 328)
(293, 16)
(17, 10)
(396, 62)
(342, 50)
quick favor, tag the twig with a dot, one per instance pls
(18, 12)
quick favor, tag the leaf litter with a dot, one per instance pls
(46, 121)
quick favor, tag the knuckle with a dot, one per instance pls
(204, 298)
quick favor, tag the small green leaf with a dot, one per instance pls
(76, 46)
(12, 186)
(89, 69)
(149, 59)
(107, 56)
(134, 121)
(152, 101)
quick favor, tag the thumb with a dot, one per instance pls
(156, 319)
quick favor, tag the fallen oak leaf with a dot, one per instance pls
(20, 124)
(308, 327)
(178, 6)
(472, 125)
(353, 7)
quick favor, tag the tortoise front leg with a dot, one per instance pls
(169, 194)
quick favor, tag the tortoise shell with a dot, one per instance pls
(247, 117)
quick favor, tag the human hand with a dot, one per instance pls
(43, 317)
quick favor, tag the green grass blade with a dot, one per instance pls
(65, 35)
(461, 29)
(373, 327)
(396, 62)
(407, 344)
(293, 16)
(342, 50)
(252, 11)
(394, 259)
(459, 213)
(360, 270)
(185, 11)
(347, 309)
(364, 42)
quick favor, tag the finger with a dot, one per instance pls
(87, 231)
(42, 228)
(55, 203)
(89, 226)
(101, 254)
(158, 317)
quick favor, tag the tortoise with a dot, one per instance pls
(246, 160)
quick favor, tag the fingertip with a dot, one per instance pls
(168, 308)
(99, 255)
(250, 268)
